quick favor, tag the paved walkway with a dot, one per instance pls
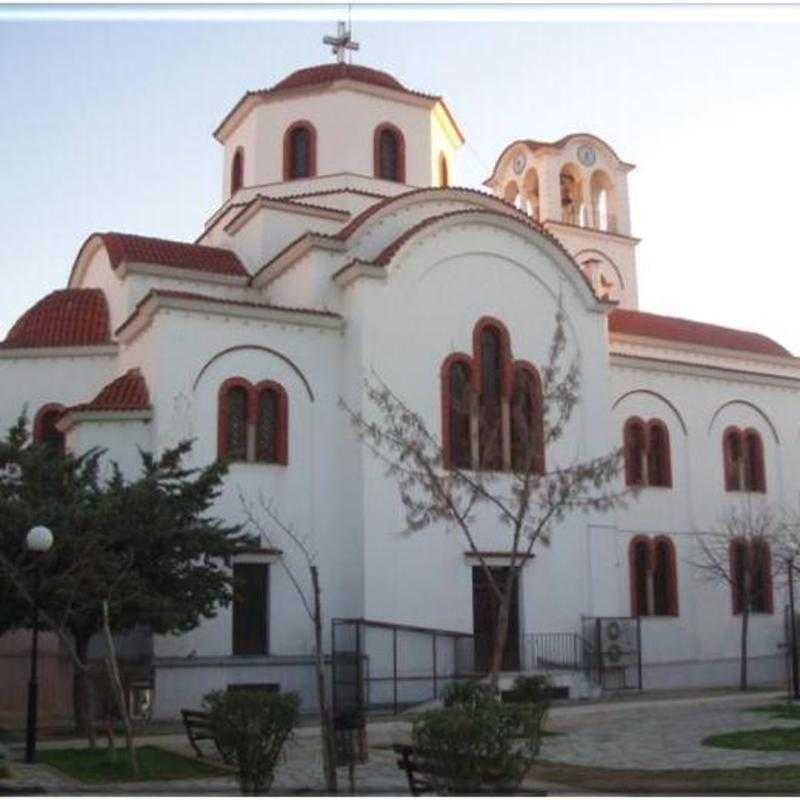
(664, 734)
(646, 734)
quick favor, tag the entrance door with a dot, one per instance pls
(485, 606)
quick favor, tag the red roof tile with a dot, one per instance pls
(674, 329)
(328, 73)
(179, 295)
(126, 393)
(65, 318)
(126, 247)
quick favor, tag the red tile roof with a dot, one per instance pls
(126, 393)
(324, 74)
(127, 247)
(65, 318)
(179, 295)
(674, 329)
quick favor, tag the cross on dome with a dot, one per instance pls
(341, 43)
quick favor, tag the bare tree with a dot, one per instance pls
(505, 472)
(738, 555)
(264, 519)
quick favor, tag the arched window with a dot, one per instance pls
(604, 201)
(754, 479)
(665, 582)
(253, 422)
(44, 427)
(237, 171)
(751, 576)
(492, 410)
(300, 151)
(511, 193)
(647, 454)
(571, 194)
(530, 191)
(635, 438)
(743, 460)
(654, 577)
(389, 155)
(490, 429)
(659, 467)
(271, 424)
(457, 408)
(527, 423)
(444, 179)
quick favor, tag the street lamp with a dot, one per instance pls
(39, 540)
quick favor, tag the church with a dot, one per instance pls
(344, 247)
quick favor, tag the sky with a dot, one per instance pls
(106, 125)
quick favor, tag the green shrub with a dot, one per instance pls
(466, 693)
(532, 689)
(477, 745)
(251, 729)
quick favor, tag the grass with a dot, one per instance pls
(100, 766)
(748, 780)
(761, 739)
(777, 710)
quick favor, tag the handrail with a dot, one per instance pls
(401, 627)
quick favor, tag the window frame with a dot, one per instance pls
(288, 155)
(237, 171)
(387, 127)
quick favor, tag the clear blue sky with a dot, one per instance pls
(107, 126)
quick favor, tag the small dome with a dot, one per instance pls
(326, 73)
(65, 318)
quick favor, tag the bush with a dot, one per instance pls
(466, 693)
(477, 745)
(532, 689)
(251, 729)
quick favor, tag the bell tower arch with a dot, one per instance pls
(577, 188)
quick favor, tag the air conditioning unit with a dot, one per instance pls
(618, 642)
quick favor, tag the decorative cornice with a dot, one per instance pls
(72, 418)
(358, 269)
(596, 232)
(181, 274)
(293, 251)
(83, 351)
(261, 201)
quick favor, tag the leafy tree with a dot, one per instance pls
(528, 501)
(149, 547)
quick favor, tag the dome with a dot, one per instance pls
(64, 318)
(326, 73)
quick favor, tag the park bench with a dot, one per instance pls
(418, 768)
(198, 729)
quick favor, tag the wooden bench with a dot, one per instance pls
(198, 729)
(417, 768)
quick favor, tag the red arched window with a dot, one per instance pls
(457, 411)
(665, 578)
(389, 155)
(754, 478)
(253, 422)
(237, 171)
(527, 421)
(44, 427)
(300, 151)
(498, 399)
(743, 459)
(271, 424)
(654, 577)
(659, 467)
(732, 455)
(751, 576)
(444, 179)
(635, 438)
(490, 428)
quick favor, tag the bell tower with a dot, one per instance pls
(576, 188)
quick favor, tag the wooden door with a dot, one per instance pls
(485, 606)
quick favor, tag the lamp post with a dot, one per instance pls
(39, 540)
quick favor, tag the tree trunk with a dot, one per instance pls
(743, 655)
(81, 700)
(501, 630)
(119, 693)
(326, 723)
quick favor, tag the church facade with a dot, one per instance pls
(342, 248)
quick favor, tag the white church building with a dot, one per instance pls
(344, 246)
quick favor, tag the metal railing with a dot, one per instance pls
(562, 650)
(384, 665)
